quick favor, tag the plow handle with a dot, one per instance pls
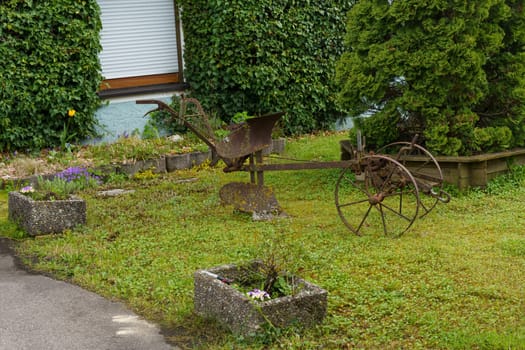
(162, 106)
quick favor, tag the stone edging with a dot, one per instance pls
(164, 164)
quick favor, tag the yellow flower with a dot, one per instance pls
(71, 113)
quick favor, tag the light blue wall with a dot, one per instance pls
(121, 116)
(345, 124)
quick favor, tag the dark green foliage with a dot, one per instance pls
(452, 71)
(162, 120)
(50, 65)
(261, 56)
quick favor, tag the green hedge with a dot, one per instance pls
(452, 71)
(261, 56)
(50, 65)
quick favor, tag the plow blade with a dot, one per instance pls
(251, 198)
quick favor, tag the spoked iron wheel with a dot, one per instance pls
(425, 170)
(384, 197)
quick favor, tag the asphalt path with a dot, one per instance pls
(40, 313)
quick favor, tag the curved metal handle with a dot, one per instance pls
(441, 196)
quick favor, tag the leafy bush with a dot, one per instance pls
(452, 72)
(50, 66)
(166, 123)
(262, 56)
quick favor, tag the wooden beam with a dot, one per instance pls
(146, 80)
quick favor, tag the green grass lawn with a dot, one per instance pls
(455, 280)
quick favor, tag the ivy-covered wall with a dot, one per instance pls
(261, 56)
(50, 68)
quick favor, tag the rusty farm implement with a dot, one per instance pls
(375, 191)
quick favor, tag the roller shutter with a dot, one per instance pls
(138, 38)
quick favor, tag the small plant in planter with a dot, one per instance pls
(249, 297)
(63, 185)
(263, 280)
(50, 206)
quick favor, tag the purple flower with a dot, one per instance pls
(76, 173)
(258, 294)
(27, 189)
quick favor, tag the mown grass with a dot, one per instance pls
(455, 280)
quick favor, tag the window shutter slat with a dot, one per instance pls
(138, 38)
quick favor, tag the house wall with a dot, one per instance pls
(142, 53)
(119, 116)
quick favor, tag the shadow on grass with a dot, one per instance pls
(195, 332)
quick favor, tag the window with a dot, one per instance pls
(141, 45)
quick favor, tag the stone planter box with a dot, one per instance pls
(465, 171)
(186, 161)
(157, 165)
(178, 162)
(44, 217)
(197, 158)
(244, 316)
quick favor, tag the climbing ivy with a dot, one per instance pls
(49, 74)
(261, 56)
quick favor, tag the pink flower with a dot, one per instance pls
(258, 294)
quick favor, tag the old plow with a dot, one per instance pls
(375, 191)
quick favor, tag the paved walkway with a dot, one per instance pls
(40, 313)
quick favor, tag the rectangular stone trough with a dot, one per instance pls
(44, 217)
(243, 315)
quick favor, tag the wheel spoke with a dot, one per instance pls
(397, 213)
(352, 203)
(364, 218)
(388, 187)
(427, 210)
(388, 178)
(425, 170)
(383, 222)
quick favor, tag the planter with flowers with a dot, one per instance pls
(245, 298)
(50, 206)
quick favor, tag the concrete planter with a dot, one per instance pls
(157, 165)
(197, 158)
(464, 171)
(44, 217)
(242, 315)
(178, 162)
(186, 161)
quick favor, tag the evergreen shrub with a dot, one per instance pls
(50, 72)
(452, 71)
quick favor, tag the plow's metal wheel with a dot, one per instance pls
(423, 167)
(382, 197)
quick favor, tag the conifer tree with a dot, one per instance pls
(449, 70)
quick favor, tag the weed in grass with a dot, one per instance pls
(145, 175)
(8, 228)
(27, 166)
(116, 179)
(485, 340)
(515, 179)
(513, 247)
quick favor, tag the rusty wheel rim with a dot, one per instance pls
(385, 199)
(427, 173)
